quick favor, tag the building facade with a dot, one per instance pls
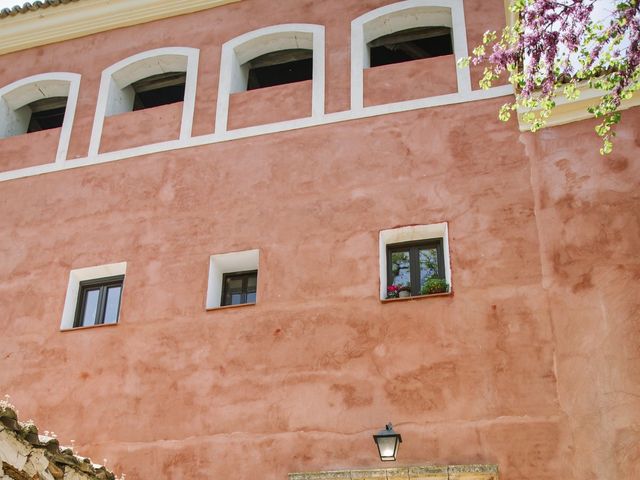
(195, 253)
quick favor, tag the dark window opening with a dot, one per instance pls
(47, 113)
(239, 288)
(99, 301)
(161, 89)
(280, 68)
(413, 266)
(411, 44)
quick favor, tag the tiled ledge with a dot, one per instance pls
(428, 472)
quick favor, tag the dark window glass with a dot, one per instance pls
(161, 89)
(47, 113)
(99, 301)
(411, 264)
(239, 288)
(279, 68)
(411, 44)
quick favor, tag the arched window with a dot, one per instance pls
(146, 80)
(271, 56)
(406, 31)
(40, 102)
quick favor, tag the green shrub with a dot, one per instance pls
(434, 285)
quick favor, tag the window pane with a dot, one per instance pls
(252, 281)
(233, 290)
(236, 299)
(90, 302)
(400, 272)
(428, 264)
(251, 297)
(112, 304)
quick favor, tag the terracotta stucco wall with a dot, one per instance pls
(530, 364)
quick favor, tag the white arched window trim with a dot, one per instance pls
(139, 66)
(26, 90)
(250, 45)
(382, 21)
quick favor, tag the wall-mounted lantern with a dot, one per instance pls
(387, 441)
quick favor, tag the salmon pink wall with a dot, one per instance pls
(26, 150)
(271, 104)
(141, 127)
(410, 80)
(531, 363)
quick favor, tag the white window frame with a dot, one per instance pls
(413, 233)
(82, 275)
(222, 263)
(401, 16)
(116, 94)
(15, 97)
(240, 50)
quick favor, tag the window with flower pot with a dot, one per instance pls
(415, 268)
(414, 261)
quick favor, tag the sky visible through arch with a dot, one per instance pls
(9, 3)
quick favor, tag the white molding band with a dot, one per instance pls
(238, 51)
(400, 16)
(79, 19)
(116, 96)
(80, 275)
(218, 137)
(16, 95)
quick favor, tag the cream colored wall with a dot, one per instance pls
(78, 19)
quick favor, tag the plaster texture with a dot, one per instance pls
(26, 150)
(142, 127)
(531, 364)
(269, 105)
(410, 80)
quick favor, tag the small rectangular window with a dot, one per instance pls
(416, 268)
(99, 301)
(239, 288)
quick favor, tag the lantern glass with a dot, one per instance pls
(387, 448)
(387, 442)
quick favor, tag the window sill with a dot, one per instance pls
(416, 297)
(89, 327)
(224, 307)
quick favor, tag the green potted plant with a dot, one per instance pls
(434, 285)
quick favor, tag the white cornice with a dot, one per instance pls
(78, 19)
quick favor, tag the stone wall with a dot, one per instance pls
(25, 455)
